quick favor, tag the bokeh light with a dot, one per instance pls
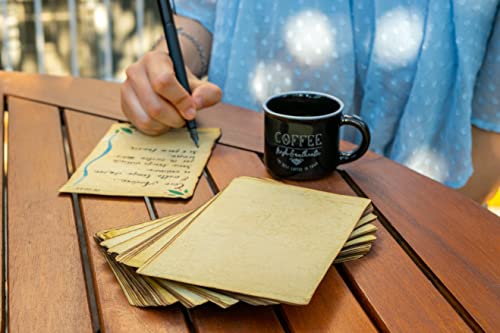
(310, 37)
(398, 37)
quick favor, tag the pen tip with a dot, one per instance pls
(194, 136)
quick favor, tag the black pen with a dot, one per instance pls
(174, 49)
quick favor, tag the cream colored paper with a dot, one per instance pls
(360, 240)
(131, 243)
(224, 301)
(140, 256)
(370, 217)
(114, 241)
(111, 233)
(128, 163)
(187, 297)
(363, 230)
(167, 297)
(261, 239)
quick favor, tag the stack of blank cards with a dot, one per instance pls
(259, 241)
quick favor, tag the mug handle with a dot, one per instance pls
(360, 125)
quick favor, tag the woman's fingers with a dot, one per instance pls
(205, 93)
(132, 109)
(153, 104)
(164, 82)
(155, 101)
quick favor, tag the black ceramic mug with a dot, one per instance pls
(301, 133)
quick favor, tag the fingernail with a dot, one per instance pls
(198, 101)
(190, 113)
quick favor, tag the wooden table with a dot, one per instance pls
(434, 266)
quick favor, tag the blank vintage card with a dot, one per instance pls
(261, 239)
(128, 163)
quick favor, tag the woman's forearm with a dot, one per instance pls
(196, 44)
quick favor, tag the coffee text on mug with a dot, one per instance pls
(299, 141)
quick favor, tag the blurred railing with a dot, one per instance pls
(88, 38)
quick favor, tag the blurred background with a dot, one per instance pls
(87, 38)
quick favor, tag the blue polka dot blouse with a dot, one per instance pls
(420, 73)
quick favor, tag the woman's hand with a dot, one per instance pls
(154, 101)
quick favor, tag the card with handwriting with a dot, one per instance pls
(128, 163)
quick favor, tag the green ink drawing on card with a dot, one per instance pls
(127, 130)
(175, 192)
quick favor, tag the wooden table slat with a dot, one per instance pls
(93, 96)
(457, 240)
(334, 309)
(105, 212)
(46, 284)
(241, 318)
(240, 128)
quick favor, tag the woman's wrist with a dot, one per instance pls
(195, 43)
(198, 67)
(202, 54)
